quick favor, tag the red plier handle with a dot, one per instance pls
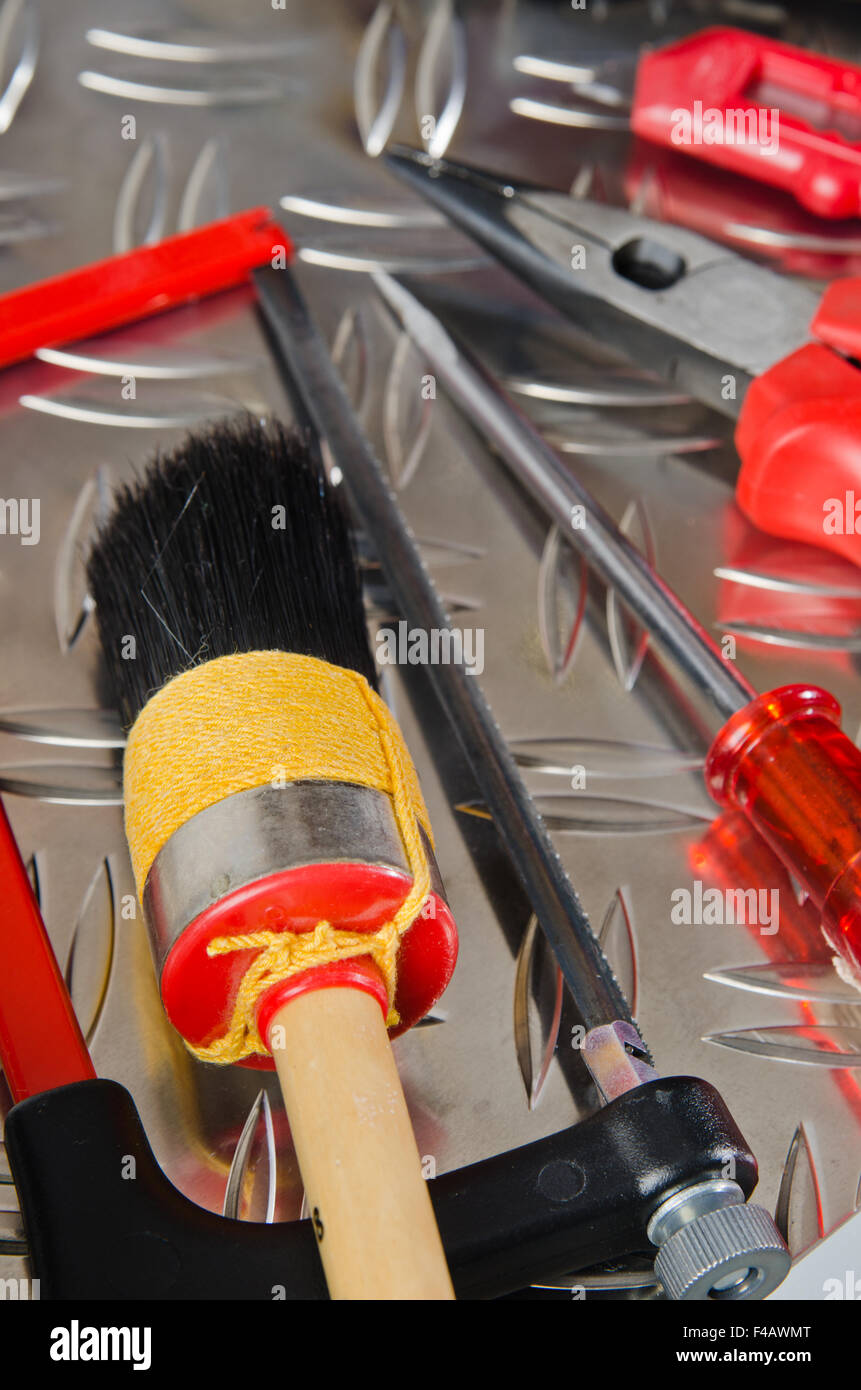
(776, 113)
(801, 422)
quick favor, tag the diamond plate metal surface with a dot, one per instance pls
(274, 107)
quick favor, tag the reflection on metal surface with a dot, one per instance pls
(350, 216)
(19, 50)
(91, 952)
(620, 445)
(554, 71)
(64, 728)
(794, 241)
(395, 265)
(791, 596)
(628, 641)
(258, 1127)
(566, 115)
(205, 196)
(147, 171)
(562, 576)
(782, 584)
(376, 119)
(350, 352)
(255, 94)
(613, 1281)
(815, 981)
(787, 637)
(647, 190)
(835, 1045)
(405, 439)
(72, 602)
(618, 942)
(524, 1019)
(166, 415)
(798, 1212)
(441, 65)
(613, 390)
(601, 757)
(64, 784)
(602, 815)
(102, 357)
(587, 183)
(197, 47)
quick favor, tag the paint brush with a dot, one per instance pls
(280, 843)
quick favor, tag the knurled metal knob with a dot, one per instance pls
(732, 1253)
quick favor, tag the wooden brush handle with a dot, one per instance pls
(370, 1205)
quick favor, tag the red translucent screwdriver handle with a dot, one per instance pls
(786, 763)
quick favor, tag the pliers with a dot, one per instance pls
(762, 349)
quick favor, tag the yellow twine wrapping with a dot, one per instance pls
(258, 718)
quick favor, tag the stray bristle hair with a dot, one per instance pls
(233, 542)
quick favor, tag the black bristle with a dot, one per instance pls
(197, 561)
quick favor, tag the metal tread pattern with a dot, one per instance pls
(228, 114)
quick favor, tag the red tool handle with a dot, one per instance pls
(779, 744)
(799, 434)
(714, 96)
(41, 1044)
(98, 297)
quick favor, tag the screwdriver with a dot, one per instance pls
(781, 757)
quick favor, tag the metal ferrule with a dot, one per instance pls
(252, 834)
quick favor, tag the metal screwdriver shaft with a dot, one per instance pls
(598, 538)
(312, 377)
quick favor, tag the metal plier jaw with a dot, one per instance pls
(689, 308)
(731, 333)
